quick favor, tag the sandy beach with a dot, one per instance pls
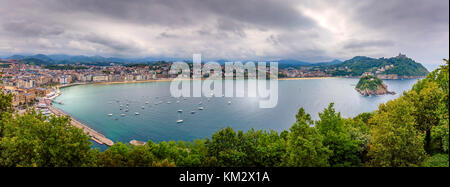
(170, 79)
(304, 78)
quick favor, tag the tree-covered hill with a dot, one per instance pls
(369, 82)
(401, 65)
(372, 85)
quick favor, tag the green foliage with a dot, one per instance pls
(364, 117)
(305, 147)
(402, 66)
(345, 150)
(4, 65)
(369, 82)
(394, 140)
(64, 67)
(252, 148)
(438, 160)
(34, 140)
(5, 104)
(425, 100)
(396, 135)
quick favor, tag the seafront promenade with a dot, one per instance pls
(96, 136)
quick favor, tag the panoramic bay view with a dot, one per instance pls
(158, 111)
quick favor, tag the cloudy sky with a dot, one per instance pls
(309, 30)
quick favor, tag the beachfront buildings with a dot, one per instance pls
(100, 78)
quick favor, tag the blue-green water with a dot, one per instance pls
(91, 104)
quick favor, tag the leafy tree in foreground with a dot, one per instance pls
(430, 98)
(345, 150)
(34, 140)
(437, 160)
(225, 147)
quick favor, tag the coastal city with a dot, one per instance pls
(34, 86)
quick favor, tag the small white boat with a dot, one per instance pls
(122, 115)
(168, 102)
(180, 121)
(229, 102)
(146, 102)
(178, 101)
(201, 108)
(200, 103)
(180, 111)
(136, 113)
(143, 107)
(110, 114)
(193, 112)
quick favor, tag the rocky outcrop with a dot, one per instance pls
(381, 90)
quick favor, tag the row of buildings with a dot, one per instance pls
(28, 82)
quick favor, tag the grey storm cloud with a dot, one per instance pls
(314, 30)
(178, 13)
(405, 15)
(30, 29)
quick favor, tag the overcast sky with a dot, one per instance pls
(228, 29)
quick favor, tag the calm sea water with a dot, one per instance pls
(91, 104)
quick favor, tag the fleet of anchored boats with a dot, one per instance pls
(159, 102)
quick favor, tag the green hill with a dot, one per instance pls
(372, 85)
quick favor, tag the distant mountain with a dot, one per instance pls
(65, 59)
(69, 59)
(16, 57)
(35, 61)
(41, 57)
(400, 65)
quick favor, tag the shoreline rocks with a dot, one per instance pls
(382, 90)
